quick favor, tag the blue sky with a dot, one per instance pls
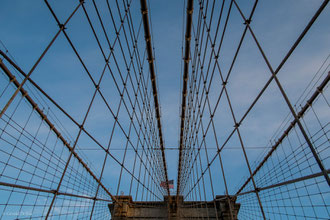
(28, 26)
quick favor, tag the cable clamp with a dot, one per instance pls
(144, 11)
(247, 22)
(62, 27)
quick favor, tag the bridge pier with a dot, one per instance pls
(173, 208)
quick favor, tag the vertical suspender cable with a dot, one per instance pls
(185, 80)
(145, 17)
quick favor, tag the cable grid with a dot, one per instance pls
(63, 156)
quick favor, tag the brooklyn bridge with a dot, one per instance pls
(146, 109)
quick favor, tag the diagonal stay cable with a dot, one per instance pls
(70, 117)
(83, 129)
(40, 112)
(286, 132)
(274, 73)
(38, 61)
(308, 26)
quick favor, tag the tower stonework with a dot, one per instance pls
(174, 208)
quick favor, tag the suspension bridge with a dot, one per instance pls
(84, 130)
